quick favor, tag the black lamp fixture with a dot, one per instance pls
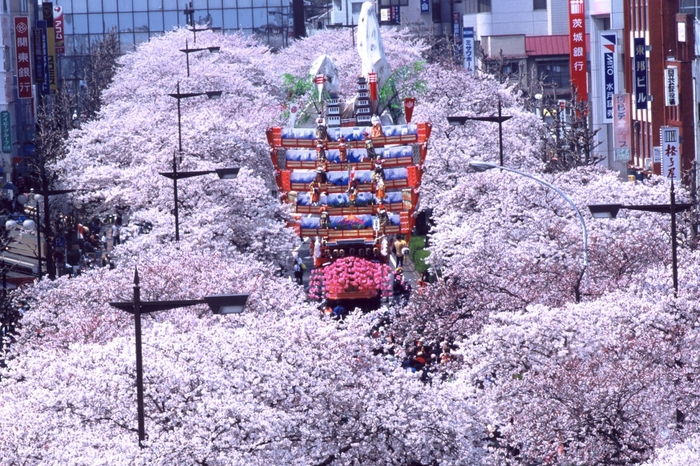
(192, 26)
(611, 210)
(187, 51)
(175, 176)
(219, 304)
(500, 118)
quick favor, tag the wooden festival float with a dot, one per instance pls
(352, 182)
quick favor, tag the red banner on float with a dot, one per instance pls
(24, 63)
(408, 104)
(577, 48)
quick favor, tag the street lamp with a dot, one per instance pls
(179, 96)
(188, 50)
(483, 166)
(33, 200)
(219, 304)
(223, 173)
(50, 265)
(461, 120)
(611, 210)
(189, 19)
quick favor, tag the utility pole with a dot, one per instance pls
(299, 19)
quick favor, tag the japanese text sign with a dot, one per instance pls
(608, 42)
(24, 65)
(640, 73)
(671, 84)
(670, 153)
(468, 36)
(622, 127)
(577, 48)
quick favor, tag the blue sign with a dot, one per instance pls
(640, 73)
(609, 41)
(44, 53)
(425, 6)
(60, 242)
(468, 36)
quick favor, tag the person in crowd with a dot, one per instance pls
(325, 221)
(320, 150)
(339, 311)
(352, 191)
(298, 267)
(321, 130)
(343, 149)
(315, 192)
(399, 246)
(381, 190)
(377, 130)
(369, 145)
(116, 232)
(383, 217)
(321, 175)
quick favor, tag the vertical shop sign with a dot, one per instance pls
(640, 73)
(608, 42)
(6, 130)
(577, 48)
(622, 128)
(47, 14)
(468, 35)
(22, 51)
(60, 45)
(671, 84)
(670, 153)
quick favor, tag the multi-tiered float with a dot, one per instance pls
(353, 181)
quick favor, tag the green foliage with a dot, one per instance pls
(418, 253)
(416, 243)
(419, 260)
(406, 81)
(295, 86)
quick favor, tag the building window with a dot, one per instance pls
(437, 12)
(484, 6)
(555, 73)
(386, 3)
(539, 5)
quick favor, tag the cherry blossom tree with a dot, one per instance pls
(272, 386)
(603, 382)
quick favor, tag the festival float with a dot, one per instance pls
(351, 176)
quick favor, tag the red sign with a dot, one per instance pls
(24, 65)
(59, 45)
(577, 48)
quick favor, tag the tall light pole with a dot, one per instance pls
(189, 20)
(611, 210)
(36, 200)
(219, 304)
(500, 118)
(483, 166)
(223, 173)
(187, 51)
(179, 96)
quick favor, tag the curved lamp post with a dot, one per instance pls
(611, 210)
(219, 304)
(483, 166)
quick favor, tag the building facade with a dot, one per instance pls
(660, 39)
